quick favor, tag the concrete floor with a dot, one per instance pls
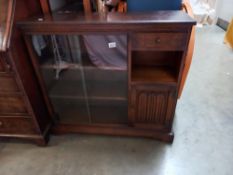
(203, 132)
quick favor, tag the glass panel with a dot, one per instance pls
(85, 76)
(106, 77)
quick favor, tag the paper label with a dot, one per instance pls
(112, 45)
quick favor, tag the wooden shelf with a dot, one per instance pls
(153, 74)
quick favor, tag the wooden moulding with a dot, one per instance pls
(113, 130)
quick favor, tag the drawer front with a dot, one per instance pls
(15, 125)
(10, 104)
(159, 41)
(8, 84)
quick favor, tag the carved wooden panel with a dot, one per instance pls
(152, 104)
(159, 41)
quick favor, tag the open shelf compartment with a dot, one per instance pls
(155, 66)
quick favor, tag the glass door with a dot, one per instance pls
(85, 76)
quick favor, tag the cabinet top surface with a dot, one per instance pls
(95, 19)
(132, 17)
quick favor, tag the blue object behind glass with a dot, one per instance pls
(153, 5)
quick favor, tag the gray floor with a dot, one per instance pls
(203, 132)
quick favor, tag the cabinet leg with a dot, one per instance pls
(165, 137)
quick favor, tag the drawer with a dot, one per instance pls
(8, 83)
(12, 104)
(16, 125)
(159, 41)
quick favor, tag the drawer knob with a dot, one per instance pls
(1, 123)
(157, 40)
(8, 67)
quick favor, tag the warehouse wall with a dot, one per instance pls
(225, 9)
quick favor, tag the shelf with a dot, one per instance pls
(153, 74)
(97, 89)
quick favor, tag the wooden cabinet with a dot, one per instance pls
(156, 68)
(23, 114)
(159, 41)
(1, 65)
(135, 97)
(8, 83)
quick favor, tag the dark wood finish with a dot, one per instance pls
(12, 104)
(152, 74)
(45, 6)
(1, 65)
(161, 21)
(159, 41)
(87, 6)
(8, 83)
(152, 105)
(114, 130)
(23, 113)
(4, 64)
(157, 44)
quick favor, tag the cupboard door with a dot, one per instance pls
(152, 106)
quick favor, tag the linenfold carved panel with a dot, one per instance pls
(151, 107)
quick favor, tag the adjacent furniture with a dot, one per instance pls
(139, 100)
(23, 113)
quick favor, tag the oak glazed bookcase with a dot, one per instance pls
(136, 100)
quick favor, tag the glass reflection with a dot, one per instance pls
(85, 76)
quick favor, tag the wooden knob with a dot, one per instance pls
(157, 40)
(8, 67)
(1, 123)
